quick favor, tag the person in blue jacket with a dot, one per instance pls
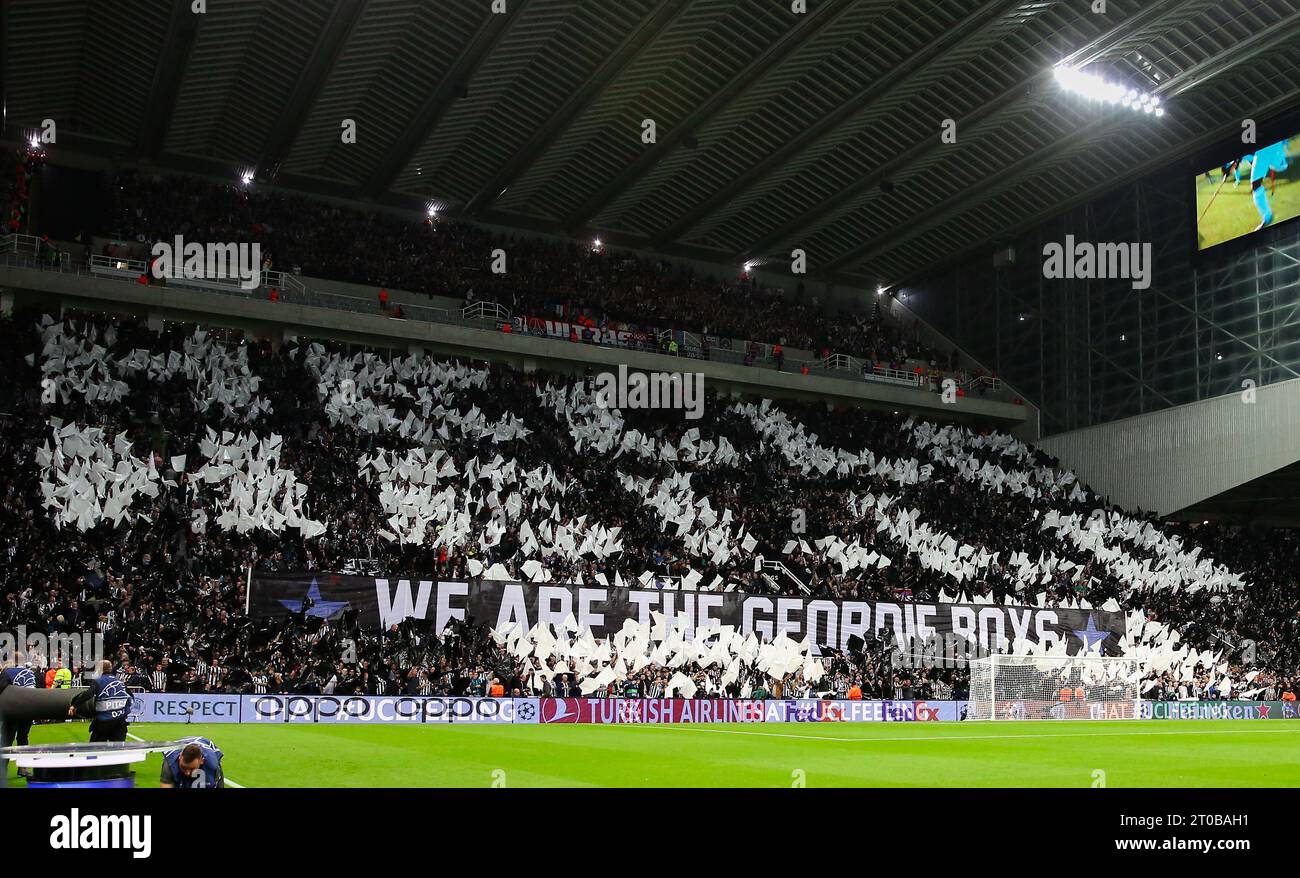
(110, 702)
(196, 766)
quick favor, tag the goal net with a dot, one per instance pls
(1055, 687)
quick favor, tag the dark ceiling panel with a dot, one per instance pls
(775, 129)
(242, 69)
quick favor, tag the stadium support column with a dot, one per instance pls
(6, 302)
(154, 321)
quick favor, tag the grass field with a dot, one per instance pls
(1184, 753)
(1233, 212)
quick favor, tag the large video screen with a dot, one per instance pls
(1248, 193)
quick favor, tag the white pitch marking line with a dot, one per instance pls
(679, 728)
(229, 782)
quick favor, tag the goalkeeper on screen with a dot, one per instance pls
(1267, 163)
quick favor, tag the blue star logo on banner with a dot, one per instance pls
(1090, 634)
(320, 608)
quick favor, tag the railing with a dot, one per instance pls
(429, 314)
(289, 284)
(20, 245)
(902, 377)
(886, 375)
(868, 371)
(289, 288)
(31, 247)
(114, 266)
(485, 311)
(842, 362)
(990, 381)
(133, 269)
(486, 316)
(778, 567)
(689, 340)
(760, 355)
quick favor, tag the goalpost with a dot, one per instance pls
(1055, 687)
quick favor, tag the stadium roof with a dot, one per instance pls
(1272, 500)
(774, 129)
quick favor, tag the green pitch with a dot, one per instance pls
(1232, 213)
(1176, 753)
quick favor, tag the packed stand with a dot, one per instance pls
(547, 279)
(226, 454)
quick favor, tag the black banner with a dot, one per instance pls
(603, 609)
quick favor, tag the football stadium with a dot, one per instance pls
(791, 394)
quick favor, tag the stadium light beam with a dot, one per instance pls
(1095, 88)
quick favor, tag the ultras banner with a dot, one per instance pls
(383, 602)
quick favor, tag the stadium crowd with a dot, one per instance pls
(16, 188)
(166, 589)
(548, 279)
